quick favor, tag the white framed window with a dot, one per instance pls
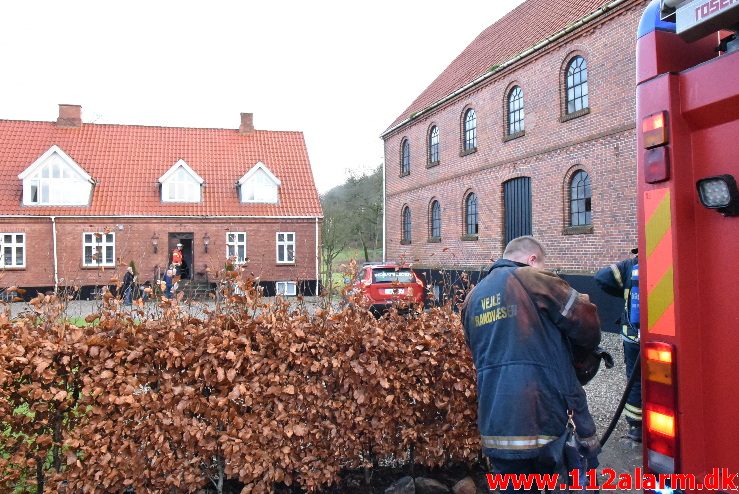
(285, 247)
(181, 187)
(236, 246)
(13, 249)
(55, 180)
(98, 249)
(259, 185)
(181, 184)
(289, 288)
(259, 188)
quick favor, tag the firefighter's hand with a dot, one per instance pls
(590, 446)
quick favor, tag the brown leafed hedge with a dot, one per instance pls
(262, 393)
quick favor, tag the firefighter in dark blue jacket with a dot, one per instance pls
(522, 323)
(622, 279)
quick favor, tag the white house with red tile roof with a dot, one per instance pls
(80, 201)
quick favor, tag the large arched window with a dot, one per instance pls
(515, 111)
(470, 130)
(434, 145)
(470, 214)
(435, 220)
(580, 195)
(405, 158)
(406, 225)
(576, 84)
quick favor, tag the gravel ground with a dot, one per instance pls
(604, 392)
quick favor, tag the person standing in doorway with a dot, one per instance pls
(177, 259)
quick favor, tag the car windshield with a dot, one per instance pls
(392, 275)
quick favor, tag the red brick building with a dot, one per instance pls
(80, 201)
(530, 130)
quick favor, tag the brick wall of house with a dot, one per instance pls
(133, 241)
(601, 142)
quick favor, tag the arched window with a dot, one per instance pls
(405, 158)
(580, 195)
(406, 225)
(515, 111)
(470, 214)
(470, 130)
(435, 220)
(434, 145)
(576, 84)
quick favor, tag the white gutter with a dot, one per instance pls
(494, 71)
(56, 260)
(150, 216)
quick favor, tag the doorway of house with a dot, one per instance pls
(186, 239)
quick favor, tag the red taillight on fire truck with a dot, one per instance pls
(660, 407)
(654, 130)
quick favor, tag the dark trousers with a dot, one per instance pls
(524, 467)
(633, 411)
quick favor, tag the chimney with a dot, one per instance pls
(247, 123)
(69, 116)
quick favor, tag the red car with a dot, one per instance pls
(383, 284)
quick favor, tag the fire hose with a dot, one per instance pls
(622, 403)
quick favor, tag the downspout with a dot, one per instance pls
(384, 209)
(318, 259)
(56, 259)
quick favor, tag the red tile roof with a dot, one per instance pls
(127, 160)
(520, 29)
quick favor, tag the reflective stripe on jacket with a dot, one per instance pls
(520, 322)
(616, 280)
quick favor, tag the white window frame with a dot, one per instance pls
(181, 187)
(181, 184)
(284, 243)
(98, 241)
(14, 245)
(56, 180)
(259, 185)
(286, 288)
(234, 244)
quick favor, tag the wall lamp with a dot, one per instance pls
(155, 242)
(719, 193)
(206, 241)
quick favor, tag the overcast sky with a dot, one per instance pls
(339, 71)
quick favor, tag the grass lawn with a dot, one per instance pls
(348, 254)
(81, 323)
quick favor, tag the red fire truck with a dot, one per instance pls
(687, 110)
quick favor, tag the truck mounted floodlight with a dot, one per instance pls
(719, 193)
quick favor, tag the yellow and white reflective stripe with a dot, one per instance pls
(632, 412)
(516, 442)
(570, 302)
(617, 275)
(659, 266)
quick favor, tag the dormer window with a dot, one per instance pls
(56, 180)
(181, 184)
(259, 185)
